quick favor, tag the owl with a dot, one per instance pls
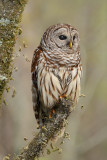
(56, 70)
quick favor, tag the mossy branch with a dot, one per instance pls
(51, 129)
(10, 16)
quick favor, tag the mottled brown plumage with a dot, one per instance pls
(56, 69)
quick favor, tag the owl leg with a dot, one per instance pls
(52, 111)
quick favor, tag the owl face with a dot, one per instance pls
(61, 37)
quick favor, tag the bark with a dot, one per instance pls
(10, 16)
(51, 130)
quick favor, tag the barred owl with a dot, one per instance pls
(56, 69)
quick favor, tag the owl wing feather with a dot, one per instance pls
(35, 90)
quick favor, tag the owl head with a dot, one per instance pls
(61, 37)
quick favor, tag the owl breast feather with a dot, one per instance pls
(53, 85)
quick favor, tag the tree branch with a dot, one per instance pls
(51, 130)
(10, 16)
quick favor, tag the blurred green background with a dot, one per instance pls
(88, 124)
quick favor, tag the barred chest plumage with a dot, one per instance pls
(56, 82)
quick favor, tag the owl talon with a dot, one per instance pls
(52, 111)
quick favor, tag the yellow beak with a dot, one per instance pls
(70, 44)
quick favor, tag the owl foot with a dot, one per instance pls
(52, 111)
(63, 96)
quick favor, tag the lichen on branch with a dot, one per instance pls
(10, 16)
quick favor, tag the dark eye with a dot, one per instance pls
(74, 38)
(62, 37)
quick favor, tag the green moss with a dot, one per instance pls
(10, 16)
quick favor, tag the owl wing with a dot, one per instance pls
(35, 90)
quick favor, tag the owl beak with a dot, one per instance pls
(70, 44)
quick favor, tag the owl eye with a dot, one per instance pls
(74, 38)
(62, 37)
